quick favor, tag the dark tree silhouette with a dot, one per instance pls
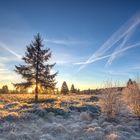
(130, 82)
(36, 70)
(5, 89)
(64, 88)
(72, 90)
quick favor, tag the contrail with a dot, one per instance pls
(4, 46)
(113, 56)
(107, 56)
(119, 34)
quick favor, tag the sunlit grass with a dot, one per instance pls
(25, 98)
(15, 105)
(9, 98)
(1, 106)
(4, 113)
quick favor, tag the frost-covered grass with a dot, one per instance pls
(51, 119)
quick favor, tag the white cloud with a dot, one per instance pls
(3, 70)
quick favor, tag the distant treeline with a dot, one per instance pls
(64, 90)
(98, 91)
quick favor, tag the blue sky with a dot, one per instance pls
(91, 40)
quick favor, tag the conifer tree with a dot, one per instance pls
(36, 70)
(64, 88)
(72, 90)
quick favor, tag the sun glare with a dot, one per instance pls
(30, 90)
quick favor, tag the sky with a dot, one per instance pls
(92, 41)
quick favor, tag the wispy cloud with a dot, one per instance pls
(6, 74)
(2, 70)
(124, 32)
(66, 41)
(135, 67)
(4, 46)
(118, 73)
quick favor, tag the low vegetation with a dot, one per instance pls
(132, 97)
(110, 101)
(61, 117)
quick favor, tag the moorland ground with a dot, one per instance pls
(63, 117)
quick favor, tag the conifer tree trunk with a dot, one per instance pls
(36, 93)
(36, 88)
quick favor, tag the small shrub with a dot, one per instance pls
(132, 97)
(110, 102)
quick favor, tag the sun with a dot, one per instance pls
(30, 90)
